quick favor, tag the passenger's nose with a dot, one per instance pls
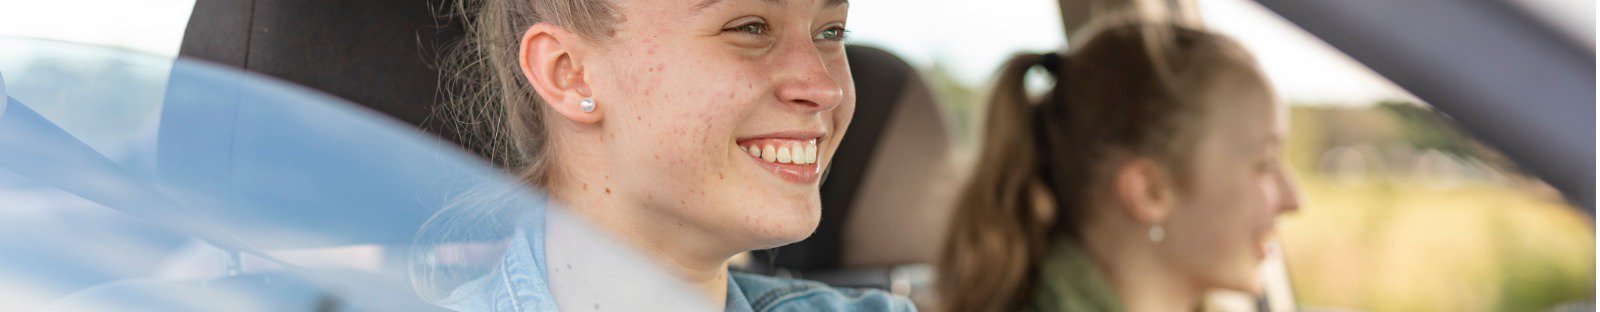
(1289, 194)
(804, 79)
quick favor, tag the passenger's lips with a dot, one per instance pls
(1264, 245)
(793, 156)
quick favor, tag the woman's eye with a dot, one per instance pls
(753, 28)
(831, 34)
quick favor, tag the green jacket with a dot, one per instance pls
(1070, 281)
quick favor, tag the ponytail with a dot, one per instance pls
(1126, 91)
(999, 233)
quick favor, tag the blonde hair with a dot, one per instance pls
(1129, 90)
(489, 98)
(497, 112)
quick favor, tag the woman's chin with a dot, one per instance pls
(783, 229)
(775, 241)
(1252, 287)
(1243, 282)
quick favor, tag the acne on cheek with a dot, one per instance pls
(705, 134)
(650, 54)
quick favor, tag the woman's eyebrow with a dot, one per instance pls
(708, 3)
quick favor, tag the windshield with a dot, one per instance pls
(177, 185)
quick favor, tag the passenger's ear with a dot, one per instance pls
(1145, 190)
(546, 55)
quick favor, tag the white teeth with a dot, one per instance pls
(783, 155)
(798, 153)
(799, 157)
(811, 152)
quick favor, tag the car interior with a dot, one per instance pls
(888, 198)
(886, 205)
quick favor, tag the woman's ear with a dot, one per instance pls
(546, 58)
(1145, 190)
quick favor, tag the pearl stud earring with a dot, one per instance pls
(587, 105)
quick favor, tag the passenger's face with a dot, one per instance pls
(690, 87)
(1220, 230)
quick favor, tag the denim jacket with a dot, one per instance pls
(519, 284)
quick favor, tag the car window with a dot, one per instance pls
(137, 181)
(1403, 210)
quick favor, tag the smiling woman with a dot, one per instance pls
(691, 131)
(1135, 184)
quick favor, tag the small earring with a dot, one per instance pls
(1157, 234)
(587, 105)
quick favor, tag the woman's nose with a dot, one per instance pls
(804, 79)
(1289, 194)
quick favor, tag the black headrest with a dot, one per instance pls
(380, 54)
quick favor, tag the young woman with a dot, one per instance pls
(690, 130)
(1147, 176)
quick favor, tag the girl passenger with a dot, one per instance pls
(1149, 174)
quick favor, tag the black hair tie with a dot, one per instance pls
(1050, 61)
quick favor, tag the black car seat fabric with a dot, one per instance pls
(902, 208)
(381, 54)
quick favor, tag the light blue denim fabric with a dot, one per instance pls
(759, 293)
(519, 284)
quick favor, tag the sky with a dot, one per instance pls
(966, 37)
(151, 26)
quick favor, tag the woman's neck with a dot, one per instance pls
(1134, 271)
(695, 255)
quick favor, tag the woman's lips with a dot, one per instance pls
(793, 159)
(1265, 245)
